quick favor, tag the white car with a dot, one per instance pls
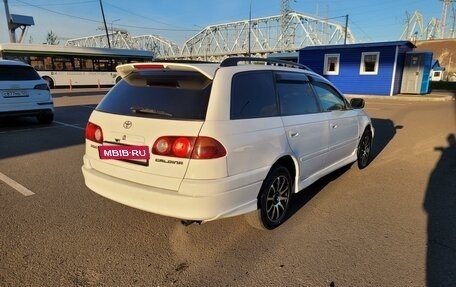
(225, 139)
(24, 93)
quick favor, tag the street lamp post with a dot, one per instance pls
(112, 22)
(104, 22)
(112, 30)
(250, 26)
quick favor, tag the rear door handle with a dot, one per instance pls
(334, 126)
(293, 135)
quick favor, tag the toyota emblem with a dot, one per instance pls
(127, 124)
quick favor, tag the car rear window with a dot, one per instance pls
(17, 73)
(182, 95)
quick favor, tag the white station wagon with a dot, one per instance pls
(239, 137)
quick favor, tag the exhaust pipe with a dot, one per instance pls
(185, 222)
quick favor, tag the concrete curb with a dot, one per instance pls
(77, 91)
(413, 98)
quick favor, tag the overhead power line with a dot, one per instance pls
(101, 22)
(141, 16)
(59, 13)
(60, 3)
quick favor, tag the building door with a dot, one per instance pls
(412, 75)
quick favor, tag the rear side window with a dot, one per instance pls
(253, 95)
(18, 73)
(295, 94)
(182, 95)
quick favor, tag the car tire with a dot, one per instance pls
(45, 118)
(364, 149)
(273, 200)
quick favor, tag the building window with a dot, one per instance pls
(331, 64)
(369, 63)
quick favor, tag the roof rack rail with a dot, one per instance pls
(233, 61)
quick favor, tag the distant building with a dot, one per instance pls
(436, 71)
(289, 56)
(444, 51)
(365, 68)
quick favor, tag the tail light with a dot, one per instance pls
(94, 133)
(41, 87)
(206, 147)
(188, 147)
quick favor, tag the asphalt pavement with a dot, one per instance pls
(390, 224)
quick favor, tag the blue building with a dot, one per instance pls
(417, 73)
(365, 69)
(436, 71)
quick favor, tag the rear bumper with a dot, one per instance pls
(26, 109)
(218, 199)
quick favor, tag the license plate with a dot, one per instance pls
(133, 154)
(14, 94)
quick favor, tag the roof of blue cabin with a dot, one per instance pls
(361, 45)
(285, 54)
(436, 66)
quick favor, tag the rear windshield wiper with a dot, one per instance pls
(142, 110)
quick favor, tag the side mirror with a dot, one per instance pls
(357, 103)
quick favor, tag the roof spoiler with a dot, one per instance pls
(126, 69)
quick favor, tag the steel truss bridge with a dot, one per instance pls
(257, 37)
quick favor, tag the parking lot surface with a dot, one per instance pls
(391, 224)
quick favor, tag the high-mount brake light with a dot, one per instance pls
(188, 147)
(148, 66)
(94, 133)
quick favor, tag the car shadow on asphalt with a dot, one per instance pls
(385, 130)
(440, 205)
(303, 197)
(24, 135)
